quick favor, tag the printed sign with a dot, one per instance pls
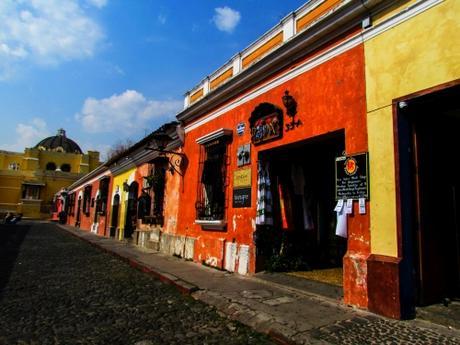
(242, 197)
(351, 177)
(242, 178)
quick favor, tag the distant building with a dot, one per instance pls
(29, 180)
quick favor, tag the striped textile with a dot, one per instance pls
(264, 196)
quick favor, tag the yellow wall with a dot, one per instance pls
(418, 54)
(118, 181)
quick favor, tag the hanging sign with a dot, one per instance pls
(351, 177)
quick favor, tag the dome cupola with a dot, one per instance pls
(59, 143)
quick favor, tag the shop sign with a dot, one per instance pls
(242, 197)
(351, 176)
(266, 128)
(242, 178)
(242, 188)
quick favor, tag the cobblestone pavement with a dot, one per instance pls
(55, 289)
(372, 330)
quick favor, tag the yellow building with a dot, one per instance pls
(412, 64)
(29, 180)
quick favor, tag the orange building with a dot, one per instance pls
(262, 142)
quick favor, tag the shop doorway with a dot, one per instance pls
(430, 193)
(114, 220)
(77, 221)
(303, 237)
(131, 210)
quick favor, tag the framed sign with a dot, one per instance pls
(242, 197)
(351, 177)
(266, 123)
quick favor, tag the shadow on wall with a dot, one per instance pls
(11, 238)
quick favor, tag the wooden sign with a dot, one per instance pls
(351, 177)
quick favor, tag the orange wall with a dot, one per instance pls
(330, 97)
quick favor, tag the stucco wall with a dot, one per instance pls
(418, 54)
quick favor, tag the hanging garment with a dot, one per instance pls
(285, 207)
(298, 182)
(264, 196)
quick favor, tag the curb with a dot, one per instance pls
(183, 286)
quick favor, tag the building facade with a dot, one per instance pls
(325, 145)
(30, 180)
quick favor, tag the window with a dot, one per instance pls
(13, 166)
(101, 203)
(31, 192)
(71, 204)
(51, 166)
(211, 200)
(65, 167)
(87, 200)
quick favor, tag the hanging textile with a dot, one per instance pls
(285, 199)
(264, 196)
(298, 182)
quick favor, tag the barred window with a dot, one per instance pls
(70, 208)
(87, 200)
(211, 203)
(101, 204)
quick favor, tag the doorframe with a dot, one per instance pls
(404, 201)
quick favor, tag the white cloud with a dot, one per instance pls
(127, 113)
(29, 134)
(226, 19)
(45, 32)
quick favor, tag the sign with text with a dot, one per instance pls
(242, 197)
(242, 178)
(266, 128)
(351, 177)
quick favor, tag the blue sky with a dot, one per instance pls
(111, 70)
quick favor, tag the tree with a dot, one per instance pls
(119, 148)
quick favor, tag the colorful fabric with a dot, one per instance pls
(264, 196)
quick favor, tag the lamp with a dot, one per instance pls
(291, 110)
(160, 141)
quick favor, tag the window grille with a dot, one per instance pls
(87, 200)
(211, 197)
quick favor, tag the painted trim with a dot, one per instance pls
(214, 135)
(329, 54)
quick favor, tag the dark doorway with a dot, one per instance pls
(131, 210)
(303, 188)
(430, 193)
(77, 222)
(114, 220)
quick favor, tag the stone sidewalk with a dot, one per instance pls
(289, 315)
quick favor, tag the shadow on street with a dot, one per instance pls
(11, 238)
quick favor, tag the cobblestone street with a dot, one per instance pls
(55, 289)
(58, 289)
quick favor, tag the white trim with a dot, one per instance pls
(31, 158)
(213, 135)
(84, 164)
(211, 224)
(329, 54)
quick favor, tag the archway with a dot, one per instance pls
(131, 210)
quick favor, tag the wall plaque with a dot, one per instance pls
(351, 177)
(242, 178)
(242, 197)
